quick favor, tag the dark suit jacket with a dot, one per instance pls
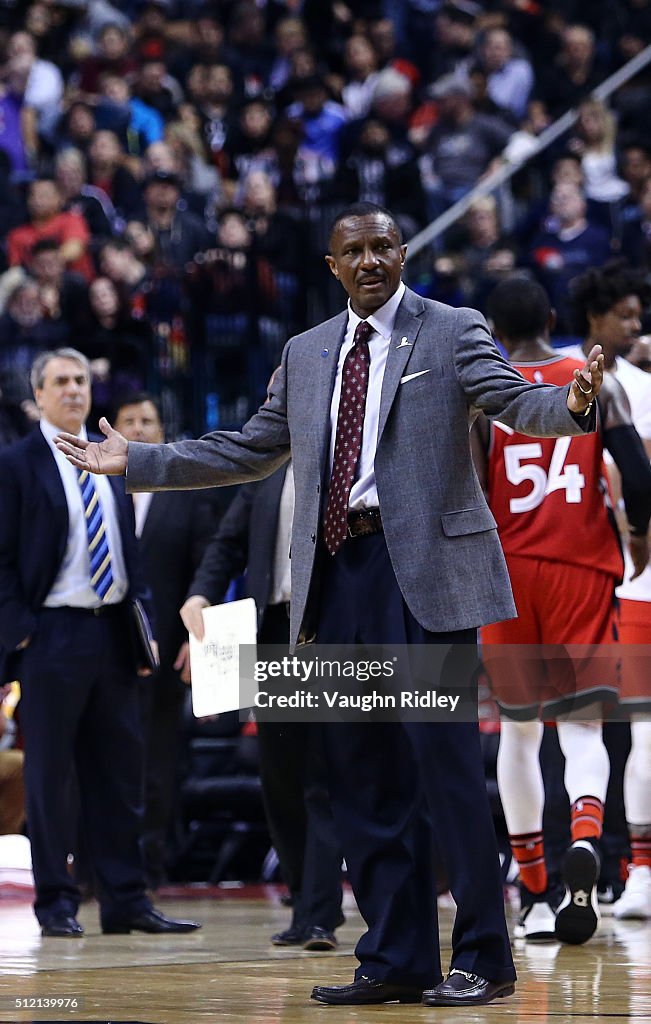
(174, 536)
(33, 537)
(246, 539)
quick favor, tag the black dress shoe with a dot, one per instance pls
(150, 921)
(62, 927)
(290, 937)
(461, 988)
(366, 991)
(316, 939)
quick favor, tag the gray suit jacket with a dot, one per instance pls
(441, 535)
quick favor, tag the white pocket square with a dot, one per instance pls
(411, 376)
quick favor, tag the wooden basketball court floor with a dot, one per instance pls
(228, 971)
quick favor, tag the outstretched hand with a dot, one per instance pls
(107, 457)
(587, 382)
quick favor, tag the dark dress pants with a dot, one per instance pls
(162, 709)
(297, 805)
(382, 773)
(79, 713)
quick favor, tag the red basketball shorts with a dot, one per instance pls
(559, 655)
(635, 645)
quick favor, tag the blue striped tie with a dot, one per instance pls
(101, 570)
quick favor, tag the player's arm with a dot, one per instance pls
(479, 443)
(629, 455)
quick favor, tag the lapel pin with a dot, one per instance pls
(324, 353)
(403, 343)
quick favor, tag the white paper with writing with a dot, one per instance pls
(215, 660)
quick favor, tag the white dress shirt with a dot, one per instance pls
(72, 585)
(363, 493)
(141, 503)
(281, 579)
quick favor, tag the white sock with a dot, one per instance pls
(587, 767)
(637, 776)
(519, 776)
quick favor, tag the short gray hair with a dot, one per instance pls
(37, 375)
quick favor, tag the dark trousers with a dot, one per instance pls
(162, 700)
(79, 714)
(383, 777)
(297, 805)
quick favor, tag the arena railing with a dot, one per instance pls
(503, 174)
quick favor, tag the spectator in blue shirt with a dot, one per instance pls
(320, 118)
(11, 134)
(568, 245)
(135, 123)
(509, 77)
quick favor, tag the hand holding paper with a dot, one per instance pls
(191, 614)
(215, 660)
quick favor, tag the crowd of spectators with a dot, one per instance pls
(168, 171)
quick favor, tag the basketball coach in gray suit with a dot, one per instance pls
(392, 542)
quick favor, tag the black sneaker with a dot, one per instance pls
(578, 914)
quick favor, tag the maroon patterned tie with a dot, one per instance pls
(348, 441)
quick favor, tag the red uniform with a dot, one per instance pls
(635, 646)
(550, 499)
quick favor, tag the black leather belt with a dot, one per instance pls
(364, 522)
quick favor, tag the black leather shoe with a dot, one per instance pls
(316, 939)
(290, 937)
(366, 991)
(62, 927)
(461, 988)
(150, 921)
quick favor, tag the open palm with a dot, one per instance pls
(108, 457)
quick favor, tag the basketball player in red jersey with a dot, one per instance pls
(608, 303)
(550, 500)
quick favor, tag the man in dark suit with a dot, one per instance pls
(254, 535)
(392, 543)
(173, 529)
(68, 574)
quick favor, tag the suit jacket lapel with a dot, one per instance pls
(45, 474)
(326, 371)
(121, 505)
(407, 325)
(46, 471)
